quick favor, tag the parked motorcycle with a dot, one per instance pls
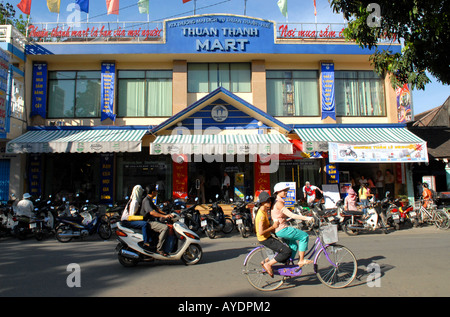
(83, 224)
(242, 217)
(7, 222)
(400, 215)
(216, 221)
(354, 222)
(190, 216)
(184, 245)
(43, 224)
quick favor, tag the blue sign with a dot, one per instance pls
(327, 79)
(39, 90)
(107, 91)
(219, 34)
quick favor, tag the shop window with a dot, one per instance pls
(292, 93)
(74, 94)
(359, 93)
(204, 77)
(144, 93)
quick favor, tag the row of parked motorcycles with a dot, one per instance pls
(378, 215)
(65, 220)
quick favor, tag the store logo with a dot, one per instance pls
(219, 113)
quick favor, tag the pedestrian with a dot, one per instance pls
(350, 200)
(295, 238)
(226, 187)
(427, 195)
(309, 192)
(389, 183)
(364, 195)
(379, 184)
(263, 234)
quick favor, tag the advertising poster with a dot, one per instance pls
(404, 104)
(107, 91)
(379, 152)
(328, 104)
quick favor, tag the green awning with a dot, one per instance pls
(358, 135)
(221, 144)
(77, 141)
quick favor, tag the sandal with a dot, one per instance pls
(267, 269)
(162, 253)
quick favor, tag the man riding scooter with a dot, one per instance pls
(151, 212)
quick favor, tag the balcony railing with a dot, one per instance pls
(10, 34)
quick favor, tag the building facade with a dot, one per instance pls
(184, 101)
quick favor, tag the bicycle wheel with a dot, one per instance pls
(341, 272)
(255, 273)
(441, 219)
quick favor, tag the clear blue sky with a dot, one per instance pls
(298, 11)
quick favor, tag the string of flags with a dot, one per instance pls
(112, 6)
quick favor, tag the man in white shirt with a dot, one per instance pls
(309, 192)
(25, 207)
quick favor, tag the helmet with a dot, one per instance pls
(280, 187)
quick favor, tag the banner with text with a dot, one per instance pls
(380, 152)
(39, 90)
(107, 93)
(327, 80)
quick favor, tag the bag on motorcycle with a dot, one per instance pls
(135, 218)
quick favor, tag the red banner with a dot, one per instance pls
(180, 179)
(262, 180)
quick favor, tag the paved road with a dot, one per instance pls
(412, 262)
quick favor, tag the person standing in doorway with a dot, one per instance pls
(379, 184)
(226, 187)
(389, 183)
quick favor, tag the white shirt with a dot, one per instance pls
(130, 210)
(24, 207)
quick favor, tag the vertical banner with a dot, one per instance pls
(34, 173)
(39, 90)
(404, 104)
(106, 177)
(107, 91)
(327, 81)
(180, 179)
(262, 180)
(4, 71)
(332, 173)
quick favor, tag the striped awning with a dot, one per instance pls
(358, 135)
(77, 141)
(221, 144)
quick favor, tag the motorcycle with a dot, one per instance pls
(7, 222)
(184, 245)
(353, 222)
(399, 215)
(348, 152)
(216, 221)
(83, 224)
(191, 217)
(242, 217)
(43, 224)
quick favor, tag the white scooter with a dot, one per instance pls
(182, 244)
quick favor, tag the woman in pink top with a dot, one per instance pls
(296, 239)
(350, 200)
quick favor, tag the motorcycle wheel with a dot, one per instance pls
(210, 231)
(192, 255)
(39, 235)
(20, 233)
(229, 225)
(126, 262)
(60, 230)
(348, 231)
(104, 231)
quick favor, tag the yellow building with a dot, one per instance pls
(195, 97)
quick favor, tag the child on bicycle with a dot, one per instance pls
(263, 234)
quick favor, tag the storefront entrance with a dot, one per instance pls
(206, 180)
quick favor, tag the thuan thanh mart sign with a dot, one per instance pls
(219, 33)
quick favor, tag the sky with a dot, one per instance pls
(299, 11)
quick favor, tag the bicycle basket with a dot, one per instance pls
(329, 233)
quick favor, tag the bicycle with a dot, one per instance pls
(335, 265)
(433, 216)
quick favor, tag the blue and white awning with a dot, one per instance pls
(221, 144)
(77, 141)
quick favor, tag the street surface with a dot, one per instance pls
(411, 262)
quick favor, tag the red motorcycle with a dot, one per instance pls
(400, 214)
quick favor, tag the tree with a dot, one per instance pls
(422, 26)
(8, 16)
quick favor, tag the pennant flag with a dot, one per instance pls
(84, 5)
(53, 5)
(282, 4)
(184, 1)
(144, 6)
(25, 6)
(112, 6)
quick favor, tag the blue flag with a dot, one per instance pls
(84, 5)
(107, 91)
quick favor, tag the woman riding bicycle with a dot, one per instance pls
(263, 234)
(296, 239)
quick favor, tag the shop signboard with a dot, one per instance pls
(4, 69)
(39, 90)
(379, 152)
(327, 82)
